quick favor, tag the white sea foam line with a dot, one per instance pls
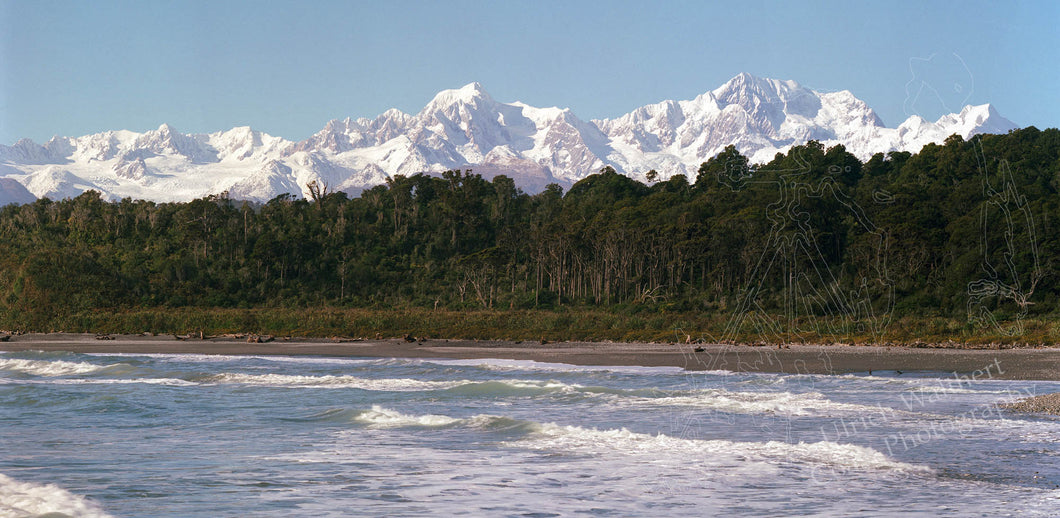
(501, 364)
(18, 499)
(384, 384)
(986, 385)
(379, 417)
(590, 440)
(48, 367)
(329, 381)
(524, 384)
(550, 436)
(787, 403)
(321, 360)
(174, 382)
(215, 358)
(181, 357)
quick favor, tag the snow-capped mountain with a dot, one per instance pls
(467, 128)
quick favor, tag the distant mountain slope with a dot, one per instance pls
(465, 128)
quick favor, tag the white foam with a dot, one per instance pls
(500, 364)
(48, 367)
(555, 437)
(500, 386)
(785, 403)
(290, 381)
(922, 391)
(379, 417)
(220, 358)
(318, 360)
(18, 499)
(172, 382)
(942, 385)
(177, 357)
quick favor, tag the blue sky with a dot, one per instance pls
(286, 68)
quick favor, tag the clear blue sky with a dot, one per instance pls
(286, 68)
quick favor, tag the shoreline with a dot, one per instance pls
(1013, 364)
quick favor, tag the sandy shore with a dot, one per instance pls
(1024, 364)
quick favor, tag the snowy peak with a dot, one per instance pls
(983, 119)
(748, 91)
(916, 132)
(467, 128)
(760, 116)
(243, 143)
(470, 94)
(337, 137)
(767, 102)
(168, 141)
(26, 151)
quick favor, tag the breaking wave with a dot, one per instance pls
(170, 382)
(329, 381)
(379, 417)
(577, 439)
(19, 499)
(505, 365)
(785, 403)
(48, 367)
(554, 437)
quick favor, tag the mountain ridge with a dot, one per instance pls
(467, 128)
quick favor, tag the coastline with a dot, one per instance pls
(1014, 364)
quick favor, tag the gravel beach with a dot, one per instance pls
(1023, 364)
(1046, 404)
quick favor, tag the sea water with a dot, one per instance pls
(200, 435)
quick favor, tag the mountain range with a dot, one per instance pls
(467, 128)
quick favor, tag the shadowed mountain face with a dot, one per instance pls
(13, 192)
(465, 128)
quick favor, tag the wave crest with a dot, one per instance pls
(28, 499)
(785, 403)
(330, 381)
(48, 367)
(590, 440)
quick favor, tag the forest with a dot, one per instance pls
(965, 230)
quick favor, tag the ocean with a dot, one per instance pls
(131, 435)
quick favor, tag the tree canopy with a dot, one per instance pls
(962, 228)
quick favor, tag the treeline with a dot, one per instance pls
(967, 229)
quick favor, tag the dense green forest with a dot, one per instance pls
(965, 230)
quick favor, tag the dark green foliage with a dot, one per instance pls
(967, 228)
